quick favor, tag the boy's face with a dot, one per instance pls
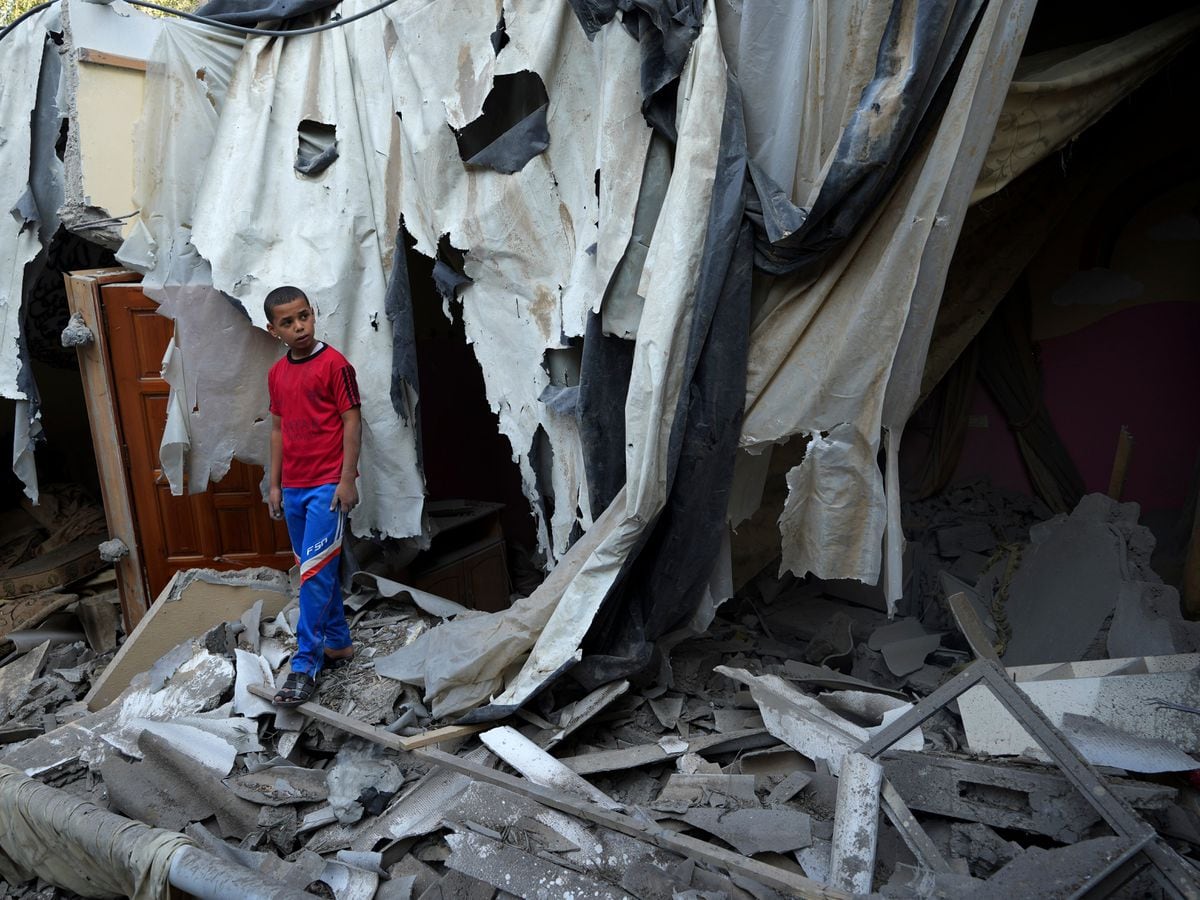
(294, 324)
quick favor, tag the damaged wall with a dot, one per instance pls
(1114, 313)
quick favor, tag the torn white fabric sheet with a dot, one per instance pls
(26, 429)
(260, 225)
(217, 406)
(822, 354)
(20, 65)
(668, 283)
(799, 89)
(536, 257)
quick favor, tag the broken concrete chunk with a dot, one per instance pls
(1123, 701)
(1029, 798)
(751, 831)
(252, 669)
(15, 679)
(359, 768)
(730, 791)
(970, 537)
(280, 785)
(251, 621)
(982, 847)
(1052, 874)
(667, 710)
(1148, 622)
(904, 644)
(1065, 587)
(1103, 745)
(522, 874)
(789, 788)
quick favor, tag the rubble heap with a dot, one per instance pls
(805, 746)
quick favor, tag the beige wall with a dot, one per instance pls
(108, 105)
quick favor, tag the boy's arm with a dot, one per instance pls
(275, 494)
(346, 495)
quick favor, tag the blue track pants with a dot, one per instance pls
(316, 534)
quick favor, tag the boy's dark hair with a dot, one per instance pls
(280, 296)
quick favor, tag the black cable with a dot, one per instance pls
(216, 23)
(25, 15)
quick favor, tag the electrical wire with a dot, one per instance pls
(25, 15)
(216, 23)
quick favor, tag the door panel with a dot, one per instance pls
(225, 527)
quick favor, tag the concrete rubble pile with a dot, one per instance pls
(805, 746)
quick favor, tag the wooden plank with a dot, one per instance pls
(1116, 481)
(116, 60)
(789, 883)
(370, 732)
(83, 297)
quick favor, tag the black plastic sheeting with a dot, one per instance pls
(662, 583)
(750, 224)
(666, 30)
(398, 306)
(250, 12)
(603, 386)
(511, 129)
(877, 142)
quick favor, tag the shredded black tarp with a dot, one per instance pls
(603, 386)
(662, 583)
(251, 12)
(398, 306)
(663, 580)
(885, 128)
(666, 30)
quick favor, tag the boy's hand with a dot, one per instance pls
(275, 503)
(345, 497)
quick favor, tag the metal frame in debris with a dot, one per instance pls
(1173, 872)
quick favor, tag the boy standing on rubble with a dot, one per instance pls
(316, 431)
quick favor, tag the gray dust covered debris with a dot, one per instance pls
(740, 772)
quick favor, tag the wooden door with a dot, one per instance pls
(227, 526)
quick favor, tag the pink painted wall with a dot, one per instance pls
(1139, 367)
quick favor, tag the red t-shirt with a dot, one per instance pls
(309, 395)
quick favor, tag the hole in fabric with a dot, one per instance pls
(512, 128)
(562, 364)
(500, 35)
(316, 147)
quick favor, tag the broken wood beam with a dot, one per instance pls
(370, 732)
(778, 879)
(1116, 480)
